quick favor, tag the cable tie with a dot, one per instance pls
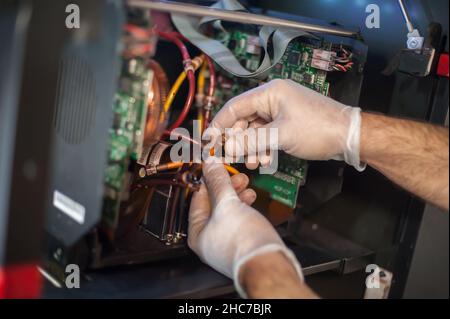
(210, 101)
(188, 66)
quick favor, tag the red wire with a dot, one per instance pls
(212, 76)
(137, 31)
(178, 35)
(341, 67)
(175, 37)
(211, 89)
(188, 103)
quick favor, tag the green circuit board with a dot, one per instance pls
(284, 184)
(244, 46)
(126, 133)
(295, 64)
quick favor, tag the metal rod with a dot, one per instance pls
(235, 16)
(405, 13)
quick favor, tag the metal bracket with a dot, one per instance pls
(415, 40)
(236, 16)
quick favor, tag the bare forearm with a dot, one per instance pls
(412, 154)
(272, 276)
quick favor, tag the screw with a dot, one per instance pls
(414, 43)
(142, 172)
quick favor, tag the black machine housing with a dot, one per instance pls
(83, 244)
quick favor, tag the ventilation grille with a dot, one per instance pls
(76, 100)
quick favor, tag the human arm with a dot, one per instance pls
(272, 276)
(412, 154)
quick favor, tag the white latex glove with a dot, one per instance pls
(224, 230)
(310, 125)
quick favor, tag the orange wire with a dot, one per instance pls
(174, 165)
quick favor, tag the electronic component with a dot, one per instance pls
(293, 58)
(253, 45)
(297, 77)
(283, 186)
(308, 78)
(277, 69)
(324, 55)
(302, 72)
(322, 64)
(246, 47)
(126, 137)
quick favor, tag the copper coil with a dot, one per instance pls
(156, 118)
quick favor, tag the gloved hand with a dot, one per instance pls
(224, 230)
(310, 125)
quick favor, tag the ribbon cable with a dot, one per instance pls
(189, 27)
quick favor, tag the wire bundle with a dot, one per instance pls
(204, 102)
(343, 62)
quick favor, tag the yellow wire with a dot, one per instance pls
(201, 78)
(173, 91)
(230, 169)
(200, 87)
(196, 62)
(201, 91)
